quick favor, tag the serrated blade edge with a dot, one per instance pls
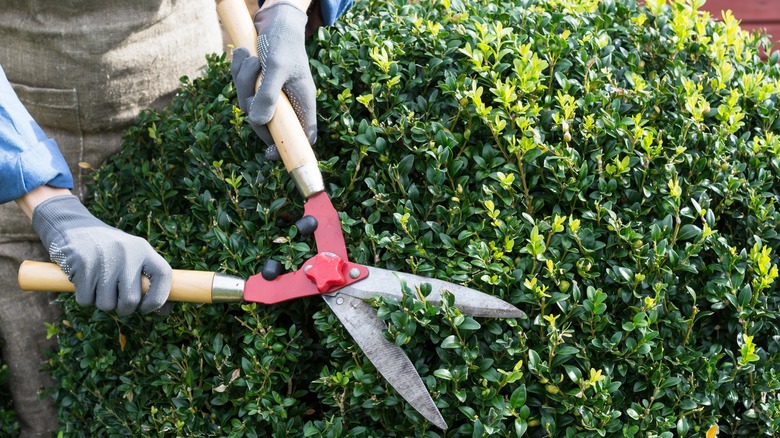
(360, 320)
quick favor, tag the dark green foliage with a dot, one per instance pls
(8, 424)
(612, 170)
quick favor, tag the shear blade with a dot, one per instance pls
(383, 282)
(360, 320)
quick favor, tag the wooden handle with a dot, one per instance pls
(187, 286)
(291, 141)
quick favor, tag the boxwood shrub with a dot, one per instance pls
(9, 426)
(611, 169)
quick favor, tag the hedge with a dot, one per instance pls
(610, 169)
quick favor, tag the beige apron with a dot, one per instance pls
(84, 70)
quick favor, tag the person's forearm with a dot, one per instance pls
(33, 198)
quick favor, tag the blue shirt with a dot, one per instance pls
(28, 158)
(333, 9)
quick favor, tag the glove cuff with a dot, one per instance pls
(50, 215)
(260, 3)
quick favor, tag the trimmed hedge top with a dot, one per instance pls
(610, 169)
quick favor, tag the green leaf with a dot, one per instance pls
(689, 232)
(450, 342)
(469, 323)
(443, 373)
(518, 398)
(405, 165)
(521, 426)
(574, 373)
(533, 359)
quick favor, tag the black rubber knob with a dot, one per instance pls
(306, 225)
(272, 269)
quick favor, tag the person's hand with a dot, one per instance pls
(282, 65)
(104, 263)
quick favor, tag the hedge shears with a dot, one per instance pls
(345, 286)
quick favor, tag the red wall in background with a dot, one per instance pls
(752, 14)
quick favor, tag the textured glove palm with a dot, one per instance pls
(282, 65)
(104, 263)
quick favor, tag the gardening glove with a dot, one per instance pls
(283, 65)
(104, 263)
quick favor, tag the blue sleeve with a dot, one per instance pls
(28, 158)
(333, 9)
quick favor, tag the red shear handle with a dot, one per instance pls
(286, 129)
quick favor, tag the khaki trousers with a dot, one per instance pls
(22, 325)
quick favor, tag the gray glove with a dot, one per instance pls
(104, 263)
(282, 65)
